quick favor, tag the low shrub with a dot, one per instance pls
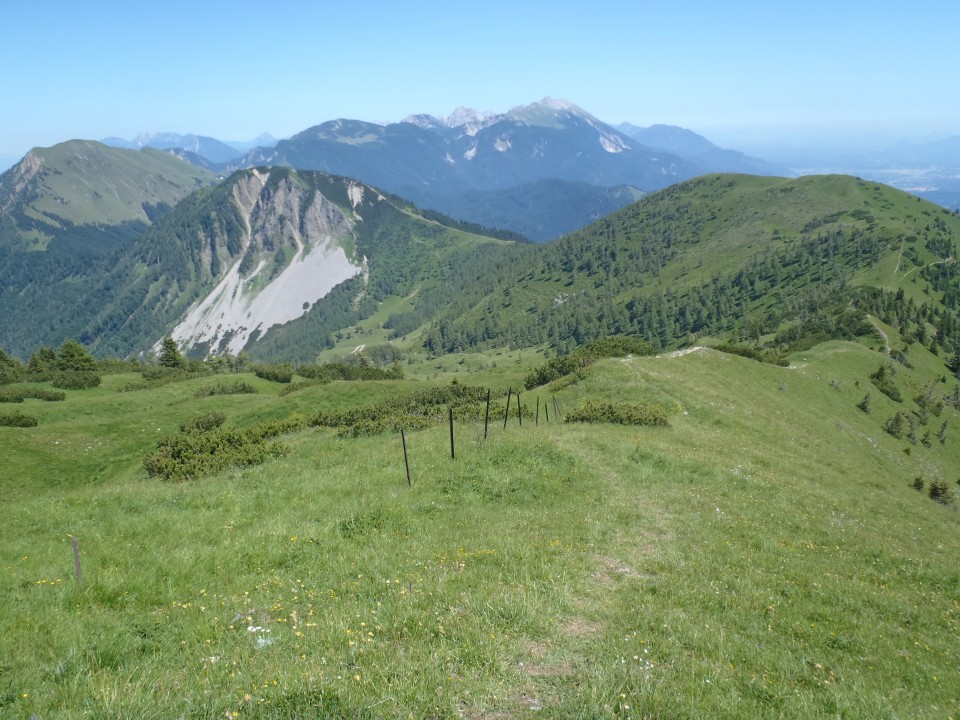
(75, 380)
(161, 374)
(17, 419)
(301, 385)
(202, 423)
(940, 491)
(898, 425)
(619, 413)
(190, 454)
(348, 371)
(414, 412)
(882, 379)
(558, 367)
(237, 387)
(19, 394)
(275, 373)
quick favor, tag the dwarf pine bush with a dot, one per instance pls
(619, 413)
(17, 419)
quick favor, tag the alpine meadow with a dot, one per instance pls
(481, 416)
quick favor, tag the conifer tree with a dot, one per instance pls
(73, 357)
(170, 355)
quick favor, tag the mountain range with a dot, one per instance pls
(487, 168)
(443, 163)
(119, 248)
(207, 148)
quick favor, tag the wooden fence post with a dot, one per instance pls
(537, 422)
(76, 559)
(406, 461)
(507, 413)
(453, 455)
(486, 417)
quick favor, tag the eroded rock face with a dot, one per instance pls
(294, 251)
(18, 179)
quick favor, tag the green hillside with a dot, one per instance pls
(68, 215)
(66, 190)
(726, 254)
(772, 552)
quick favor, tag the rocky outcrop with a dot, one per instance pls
(297, 246)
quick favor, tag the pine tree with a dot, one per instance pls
(73, 357)
(170, 355)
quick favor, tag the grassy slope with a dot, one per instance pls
(762, 557)
(85, 182)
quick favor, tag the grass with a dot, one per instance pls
(764, 556)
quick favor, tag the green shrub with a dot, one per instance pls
(558, 367)
(202, 423)
(189, 454)
(18, 395)
(17, 419)
(348, 371)
(75, 379)
(237, 387)
(882, 379)
(940, 491)
(898, 425)
(276, 373)
(619, 413)
(301, 385)
(415, 412)
(161, 374)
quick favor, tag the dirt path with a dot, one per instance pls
(886, 340)
(685, 351)
(935, 262)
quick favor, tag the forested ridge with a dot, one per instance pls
(717, 255)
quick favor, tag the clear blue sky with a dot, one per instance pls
(735, 72)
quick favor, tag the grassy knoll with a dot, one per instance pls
(762, 556)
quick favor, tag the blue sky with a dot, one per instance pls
(741, 75)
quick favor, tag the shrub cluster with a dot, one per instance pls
(162, 375)
(19, 394)
(882, 379)
(619, 413)
(275, 373)
(75, 379)
(17, 419)
(764, 356)
(204, 422)
(237, 387)
(940, 491)
(899, 424)
(558, 367)
(195, 452)
(300, 385)
(344, 371)
(414, 412)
